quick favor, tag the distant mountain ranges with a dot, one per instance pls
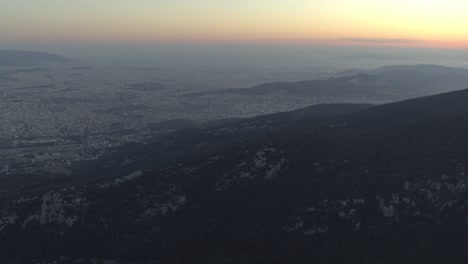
(385, 84)
(389, 83)
(326, 184)
(14, 58)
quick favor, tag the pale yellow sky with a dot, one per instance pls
(435, 23)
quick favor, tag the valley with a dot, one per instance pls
(367, 168)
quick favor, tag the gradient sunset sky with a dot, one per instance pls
(425, 23)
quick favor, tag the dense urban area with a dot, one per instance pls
(55, 114)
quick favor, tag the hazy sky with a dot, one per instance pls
(427, 23)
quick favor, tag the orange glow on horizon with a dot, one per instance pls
(398, 23)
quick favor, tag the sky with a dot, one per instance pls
(439, 24)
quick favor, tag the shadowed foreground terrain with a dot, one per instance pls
(384, 184)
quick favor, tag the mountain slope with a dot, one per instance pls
(350, 87)
(197, 141)
(318, 186)
(192, 142)
(14, 58)
(393, 194)
(425, 79)
(389, 83)
(410, 110)
(426, 68)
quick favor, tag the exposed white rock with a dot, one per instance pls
(246, 175)
(314, 231)
(34, 217)
(260, 162)
(343, 203)
(260, 165)
(358, 226)
(129, 177)
(161, 209)
(7, 218)
(273, 170)
(25, 200)
(406, 186)
(53, 210)
(298, 225)
(388, 211)
(359, 201)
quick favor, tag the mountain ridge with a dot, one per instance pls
(21, 58)
(385, 84)
(298, 195)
